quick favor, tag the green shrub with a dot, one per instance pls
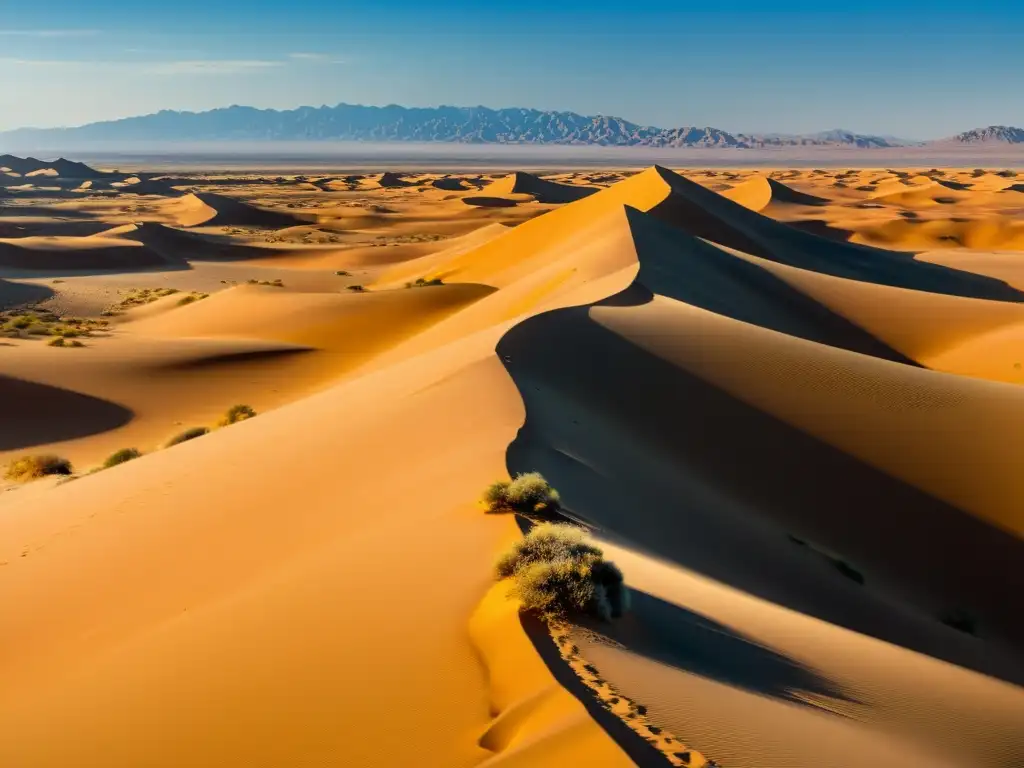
(120, 457)
(546, 542)
(34, 467)
(235, 414)
(189, 434)
(528, 494)
(557, 572)
(57, 342)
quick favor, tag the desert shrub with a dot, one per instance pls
(57, 342)
(545, 542)
(342, 273)
(423, 283)
(235, 414)
(74, 343)
(557, 572)
(357, 289)
(191, 298)
(122, 456)
(33, 467)
(189, 434)
(527, 494)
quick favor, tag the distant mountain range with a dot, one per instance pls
(470, 125)
(994, 134)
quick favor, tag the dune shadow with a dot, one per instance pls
(490, 202)
(36, 414)
(822, 228)
(705, 214)
(673, 466)
(690, 642)
(23, 272)
(687, 269)
(17, 294)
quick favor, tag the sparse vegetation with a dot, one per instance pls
(528, 494)
(137, 297)
(557, 572)
(191, 298)
(235, 414)
(62, 341)
(27, 323)
(275, 283)
(342, 273)
(423, 283)
(357, 289)
(189, 434)
(34, 467)
(122, 456)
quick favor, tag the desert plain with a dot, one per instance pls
(786, 403)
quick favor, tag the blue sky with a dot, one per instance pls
(913, 69)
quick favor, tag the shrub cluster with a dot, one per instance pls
(528, 494)
(34, 467)
(557, 572)
(235, 414)
(189, 434)
(120, 457)
(423, 283)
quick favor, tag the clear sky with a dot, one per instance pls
(920, 69)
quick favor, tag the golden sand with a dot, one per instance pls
(788, 403)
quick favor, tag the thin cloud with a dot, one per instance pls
(327, 58)
(211, 66)
(48, 32)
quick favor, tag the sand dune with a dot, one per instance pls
(211, 210)
(536, 188)
(803, 452)
(76, 253)
(761, 191)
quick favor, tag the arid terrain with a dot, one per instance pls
(787, 403)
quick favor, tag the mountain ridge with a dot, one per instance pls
(461, 125)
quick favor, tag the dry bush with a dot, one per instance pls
(528, 494)
(34, 467)
(557, 572)
(235, 414)
(122, 456)
(189, 434)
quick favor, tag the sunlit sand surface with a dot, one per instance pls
(788, 404)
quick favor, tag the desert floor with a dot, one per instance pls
(787, 403)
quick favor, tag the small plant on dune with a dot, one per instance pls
(191, 298)
(342, 273)
(423, 283)
(556, 572)
(357, 289)
(528, 494)
(122, 456)
(544, 543)
(189, 434)
(64, 341)
(34, 467)
(275, 283)
(235, 414)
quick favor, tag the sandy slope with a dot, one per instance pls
(802, 450)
